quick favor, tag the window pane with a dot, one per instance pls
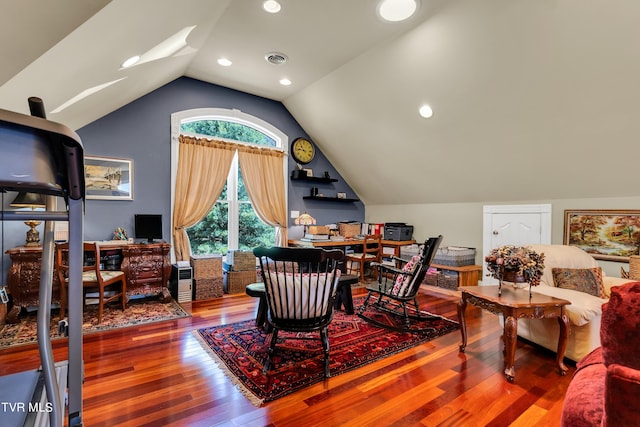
(228, 130)
(242, 191)
(210, 235)
(253, 231)
(223, 195)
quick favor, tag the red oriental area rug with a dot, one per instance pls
(241, 348)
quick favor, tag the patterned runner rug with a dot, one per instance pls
(139, 311)
(240, 350)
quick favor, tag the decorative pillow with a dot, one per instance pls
(588, 280)
(619, 327)
(403, 280)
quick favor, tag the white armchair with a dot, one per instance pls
(585, 311)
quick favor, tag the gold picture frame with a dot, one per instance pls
(611, 235)
(108, 178)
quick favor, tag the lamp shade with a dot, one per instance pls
(29, 200)
(305, 219)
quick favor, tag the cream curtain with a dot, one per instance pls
(263, 175)
(203, 166)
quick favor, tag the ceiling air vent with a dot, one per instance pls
(276, 58)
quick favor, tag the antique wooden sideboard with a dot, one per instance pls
(147, 267)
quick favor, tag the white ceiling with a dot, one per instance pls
(532, 99)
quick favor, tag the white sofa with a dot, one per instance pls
(585, 311)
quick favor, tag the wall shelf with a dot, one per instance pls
(315, 179)
(330, 199)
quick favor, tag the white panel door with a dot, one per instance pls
(515, 229)
(514, 225)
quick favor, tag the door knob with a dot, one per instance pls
(495, 232)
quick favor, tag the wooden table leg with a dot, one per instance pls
(510, 340)
(462, 306)
(562, 342)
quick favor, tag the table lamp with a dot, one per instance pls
(305, 219)
(33, 201)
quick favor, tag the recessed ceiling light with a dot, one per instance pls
(426, 111)
(224, 62)
(285, 82)
(397, 10)
(271, 6)
(131, 61)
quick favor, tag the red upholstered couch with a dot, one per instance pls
(605, 390)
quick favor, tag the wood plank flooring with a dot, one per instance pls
(159, 375)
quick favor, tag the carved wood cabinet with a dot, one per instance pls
(23, 279)
(147, 268)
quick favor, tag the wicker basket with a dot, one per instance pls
(441, 280)
(430, 279)
(448, 281)
(634, 267)
(241, 261)
(349, 229)
(206, 266)
(207, 288)
(318, 229)
(455, 256)
(236, 282)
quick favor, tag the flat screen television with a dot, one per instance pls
(148, 227)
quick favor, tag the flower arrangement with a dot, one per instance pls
(520, 259)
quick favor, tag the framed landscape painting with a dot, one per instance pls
(611, 235)
(108, 178)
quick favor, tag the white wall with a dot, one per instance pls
(461, 223)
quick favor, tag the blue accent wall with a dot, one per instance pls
(141, 131)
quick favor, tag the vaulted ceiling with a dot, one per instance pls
(532, 99)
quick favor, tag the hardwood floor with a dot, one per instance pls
(159, 375)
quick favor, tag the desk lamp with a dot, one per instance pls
(33, 201)
(305, 219)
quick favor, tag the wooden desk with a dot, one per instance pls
(146, 266)
(395, 244)
(514, 304)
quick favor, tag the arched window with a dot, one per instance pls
(232, 223)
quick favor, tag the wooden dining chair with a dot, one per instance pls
(109, 285)
(371, 252)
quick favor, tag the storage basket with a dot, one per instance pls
(236, 281)
(241, 261)
(455, 256)
(634, 267)
(318, 229)
(206, 266)
(447, 280)
(349, 229)
(430, 279)
(207, 288)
